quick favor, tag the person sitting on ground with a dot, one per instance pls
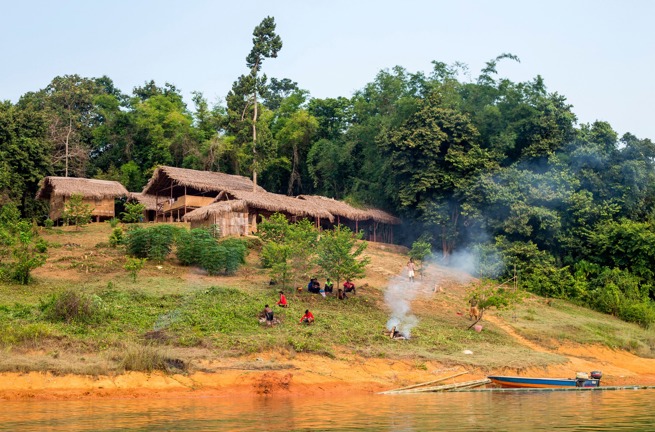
(341, 295)
(313, 286)
(283, 300)
(308, 318)
(268, 314)
(349, 287)
(329, 286)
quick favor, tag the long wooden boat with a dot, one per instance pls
(527, 382)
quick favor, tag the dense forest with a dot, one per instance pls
(497, 169)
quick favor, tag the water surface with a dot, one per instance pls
(630, 410)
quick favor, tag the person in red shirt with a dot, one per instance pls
(308, 318)
(283, 300)
(349, 287)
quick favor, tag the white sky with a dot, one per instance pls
(599, 54)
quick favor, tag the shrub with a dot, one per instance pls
(144, 358)
(21, 249)
(642, 313)
(113, 222)
(154, 243)
(116, 237)
(49, 223)
(198, 247)
(76, 211)
(133, 212)
(71, 306)
(189, 245)
(134, 266)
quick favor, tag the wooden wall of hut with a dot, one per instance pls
(100, 208)
(229, 223)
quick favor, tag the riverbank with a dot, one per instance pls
(272, 375)
(204, 330)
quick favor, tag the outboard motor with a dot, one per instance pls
(596, 375)
(580, 379)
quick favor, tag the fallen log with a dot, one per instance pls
(424, 384)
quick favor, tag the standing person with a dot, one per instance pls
(308, 318)
(410, 269)
(283, 300)
(268, 313)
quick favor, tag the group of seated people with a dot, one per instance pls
(314, 287)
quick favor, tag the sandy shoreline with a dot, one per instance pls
(305, 374)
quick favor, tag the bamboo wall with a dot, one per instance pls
(229, 223)
(101, 208)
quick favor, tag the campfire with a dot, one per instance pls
(395, 334)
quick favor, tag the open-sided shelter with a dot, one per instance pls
(99, 194)
(181, 190)
(377, 225)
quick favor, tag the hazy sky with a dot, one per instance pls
(599, 54)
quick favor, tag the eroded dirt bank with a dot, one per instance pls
(306, 374)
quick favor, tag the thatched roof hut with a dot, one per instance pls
(345, 210)
(88, 188)
(99, 194)
(272, 203)
(171, 181)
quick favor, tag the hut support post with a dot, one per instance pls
(184, 202)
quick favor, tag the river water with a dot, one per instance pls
(629, 410)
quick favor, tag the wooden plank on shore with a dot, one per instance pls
(447, 387)
(424, 383)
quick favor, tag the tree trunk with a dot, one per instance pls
(254, 141)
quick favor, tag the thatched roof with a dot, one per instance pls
(278, 203)
(88, 188)
(382, 216)
(345, 210)
(337, 208)
(150, 201)
(203, 213)
(200, 181)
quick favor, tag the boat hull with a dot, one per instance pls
(526, 382)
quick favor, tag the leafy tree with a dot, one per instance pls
(77, 212)
(435, 161)
(266, 44)
(339, 255)
(488, 294)
(21, 248)
(288, 249)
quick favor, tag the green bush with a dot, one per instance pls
(133, 212)
(198, 247)
(642, 313)
(113, 222)
(116, 237)
(72, 306)
(154, 242)
(49, 223)
(189, 245)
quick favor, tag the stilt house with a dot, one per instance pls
(99, 194)
(178, 191)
